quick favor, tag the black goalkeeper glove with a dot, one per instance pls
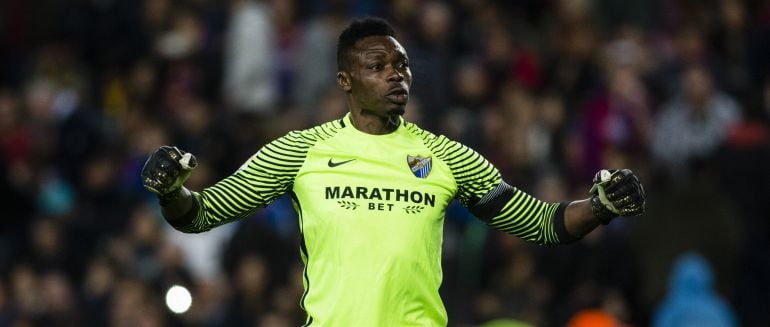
(166, 170)
(616, 193)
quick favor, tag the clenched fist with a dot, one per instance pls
(616, 193)
(167, 169)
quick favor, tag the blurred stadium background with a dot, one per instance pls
(549, 91)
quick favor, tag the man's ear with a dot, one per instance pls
(343, 80)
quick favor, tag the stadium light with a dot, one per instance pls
(178, 299)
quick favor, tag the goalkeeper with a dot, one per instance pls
(371, 191)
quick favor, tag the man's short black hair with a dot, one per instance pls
(359, 29)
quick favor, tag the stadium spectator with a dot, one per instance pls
(693, 124)
(691, 298)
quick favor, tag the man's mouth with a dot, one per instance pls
(399, 96)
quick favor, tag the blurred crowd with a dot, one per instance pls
(549, 91)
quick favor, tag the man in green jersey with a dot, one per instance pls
(371, 191)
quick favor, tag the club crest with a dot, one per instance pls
(419, 165)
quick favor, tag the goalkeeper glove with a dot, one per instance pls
(616, 193)
(166, 170)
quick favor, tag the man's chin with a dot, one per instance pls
(400, 110)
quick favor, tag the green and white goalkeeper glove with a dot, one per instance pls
(616, 193)
(166, 170)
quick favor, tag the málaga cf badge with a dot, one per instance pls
(419, 165)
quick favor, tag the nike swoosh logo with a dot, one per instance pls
(335, 164)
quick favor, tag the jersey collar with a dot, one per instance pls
(347, 122)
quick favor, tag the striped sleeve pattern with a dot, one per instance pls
(266, 176)
(476, 178)
(528, 218)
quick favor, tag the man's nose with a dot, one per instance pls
(395, 76)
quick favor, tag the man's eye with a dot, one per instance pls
(375, 66)
(404, 64)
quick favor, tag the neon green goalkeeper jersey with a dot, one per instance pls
(371, 213)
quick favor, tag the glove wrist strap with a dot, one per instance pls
(601, 212)
(170, 197)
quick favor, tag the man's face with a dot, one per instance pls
(698, 87)
(378, 76)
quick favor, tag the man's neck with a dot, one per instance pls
(370, 123)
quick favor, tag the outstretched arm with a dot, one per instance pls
(264, 177)
(614, 193)
(506, 208)
(511, 210)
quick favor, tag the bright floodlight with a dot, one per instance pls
(178, 299)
